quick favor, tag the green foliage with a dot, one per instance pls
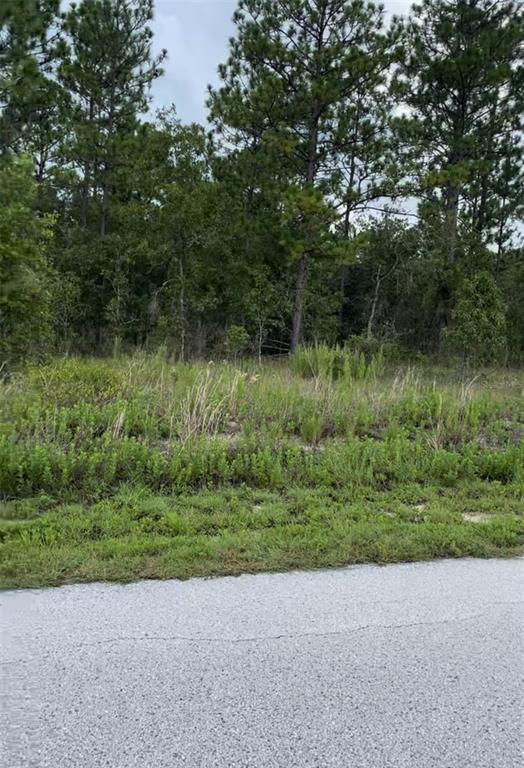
(74, 381)
(111, 38)
(458, 54)
(305, 65)
(286, 221)
(511, 282)
(119, 233)
(135, 467)
(479, 324)
(25, 290)
(30, 99)
(77, 427)
(319, 360)
(337, 363)
(237, 340)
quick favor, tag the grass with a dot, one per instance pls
(135, 468)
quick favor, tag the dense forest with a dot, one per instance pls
(357, 182)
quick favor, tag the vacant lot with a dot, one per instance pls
(136, 468)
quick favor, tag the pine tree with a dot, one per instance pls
(462, 83)
(108, 69)
(294, 68)
(30, 45)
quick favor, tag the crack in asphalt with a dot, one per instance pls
(265, 638)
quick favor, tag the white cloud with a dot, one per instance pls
(195, 34)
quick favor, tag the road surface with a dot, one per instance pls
(368, 667)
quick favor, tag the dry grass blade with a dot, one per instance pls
(205, 407)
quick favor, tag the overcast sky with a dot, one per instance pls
(195, 34)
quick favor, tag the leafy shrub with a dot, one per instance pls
(478, 330)
(237, 340)
(73, 380)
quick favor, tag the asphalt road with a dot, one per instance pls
(367, 667)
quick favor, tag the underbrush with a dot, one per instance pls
(135, 467)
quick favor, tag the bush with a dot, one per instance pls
(321, 361)
(478, 330)
(372, 347)
(237, 340)
(73, 380)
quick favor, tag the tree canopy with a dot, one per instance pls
(356, 179)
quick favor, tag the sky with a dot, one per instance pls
(195, 34)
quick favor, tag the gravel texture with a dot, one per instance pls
(367, 667)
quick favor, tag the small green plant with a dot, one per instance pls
(73, 380)
(237, 340)
(318, 360)
(333, 363)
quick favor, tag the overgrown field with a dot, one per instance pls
(135, 468)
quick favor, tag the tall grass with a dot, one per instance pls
(134, 467)
(76, 427)
(336, 363)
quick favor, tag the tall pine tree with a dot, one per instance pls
(294, 67)
(109, 69)
(30, 97)
(462, 83)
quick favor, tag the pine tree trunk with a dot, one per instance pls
(303, 264)
(108, 165)
(374, 304)
(105, 208)
(85, 196)
(182, 312)
(87, 175)
(481, 218)
(500, 238)
(344, 277)
(300, 290)
(451, 222)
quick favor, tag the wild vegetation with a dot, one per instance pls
(356, 177)
(140, 468)
(342, 240)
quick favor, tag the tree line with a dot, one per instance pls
(284, 220)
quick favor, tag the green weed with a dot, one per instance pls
(137, 467)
